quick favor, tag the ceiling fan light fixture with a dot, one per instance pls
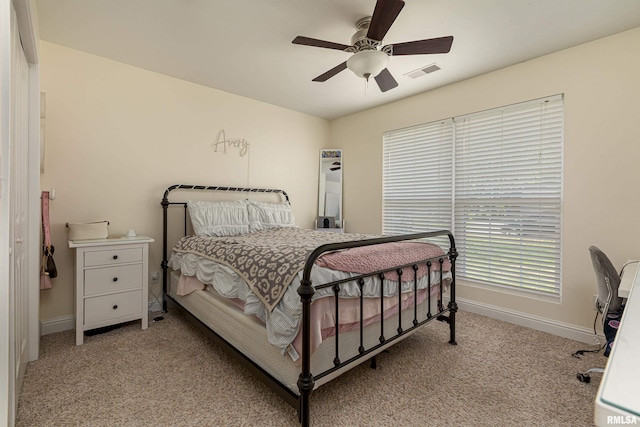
(368, 63)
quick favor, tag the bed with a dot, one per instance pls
(297, 307)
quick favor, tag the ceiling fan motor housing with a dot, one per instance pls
(360, 41)
(362, 28)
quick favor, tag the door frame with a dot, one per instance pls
(27, 17)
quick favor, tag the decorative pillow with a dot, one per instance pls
(219, 219)
(264, 216)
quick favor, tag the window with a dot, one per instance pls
(495, 179)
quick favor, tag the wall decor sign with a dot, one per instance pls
(331, 154)
(241, 144)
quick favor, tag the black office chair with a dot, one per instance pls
(608, 303)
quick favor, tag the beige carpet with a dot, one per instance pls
(499, 374)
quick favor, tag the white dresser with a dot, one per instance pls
(112, 282)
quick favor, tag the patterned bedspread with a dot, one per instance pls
(267, 260)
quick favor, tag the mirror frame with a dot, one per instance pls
(329, 156)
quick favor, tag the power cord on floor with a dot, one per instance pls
(157, 316)
(579, 353)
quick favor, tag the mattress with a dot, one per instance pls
(248, 335)
(282, 322)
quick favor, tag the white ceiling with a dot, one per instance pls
(244, 46)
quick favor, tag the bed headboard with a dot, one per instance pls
(189, 188)
(165, 198)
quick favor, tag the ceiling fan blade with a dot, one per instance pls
(384, 14)
(307, 41)
(332, 72)
(423, 47)
(385, 80)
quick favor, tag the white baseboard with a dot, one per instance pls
(57, 324)
(564, 330)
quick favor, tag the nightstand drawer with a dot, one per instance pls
(112, 256)
(112, 279)
(108, 307)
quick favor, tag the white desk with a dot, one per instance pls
(629, 276)
(618, 398)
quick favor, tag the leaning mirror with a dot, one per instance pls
(330, 189)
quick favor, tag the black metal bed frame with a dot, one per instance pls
(306, 291)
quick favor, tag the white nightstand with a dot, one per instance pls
(112, 282)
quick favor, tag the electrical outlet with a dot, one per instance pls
(154, 277)
(595, 302)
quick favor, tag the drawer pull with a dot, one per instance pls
(115, 306)
(115, 257)
(115, 279)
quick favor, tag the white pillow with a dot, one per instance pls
(264, 216)
(219, 219)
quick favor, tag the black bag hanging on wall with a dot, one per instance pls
(50, 267)
(49, 270)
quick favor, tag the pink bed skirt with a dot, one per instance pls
(323, 318)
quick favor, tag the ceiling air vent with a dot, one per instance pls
(422, 71)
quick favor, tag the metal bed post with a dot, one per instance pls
(399, 272)
(165, 261)
(305, 380)
(453, 305)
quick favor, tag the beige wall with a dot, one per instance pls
(118, 136)
(601, 201)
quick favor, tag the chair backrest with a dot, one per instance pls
(605, 269)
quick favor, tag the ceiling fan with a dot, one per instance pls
(370, 58)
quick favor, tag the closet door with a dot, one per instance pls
(18, 189)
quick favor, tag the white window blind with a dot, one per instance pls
(418, 178)
(503, 197)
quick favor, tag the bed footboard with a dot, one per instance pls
(306, 291)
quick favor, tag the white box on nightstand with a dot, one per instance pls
(111, 282)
